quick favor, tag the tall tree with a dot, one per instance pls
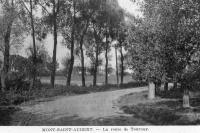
(122, 44)
(114, 15)
(72, 41)
(97, 32)
(94, 48)
(32, 23)
(106, 57)
(10, 13)
(144, 53)
(87, 10)
(95, 37)
(52, 10)
(69, 32)
(117, 70)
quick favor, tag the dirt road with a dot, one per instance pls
(87, 106)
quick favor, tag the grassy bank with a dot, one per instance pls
(164, 111)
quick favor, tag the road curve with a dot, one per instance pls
(93, 105)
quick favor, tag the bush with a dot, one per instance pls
(18, 89)
(134, 84)
(79, 90)
(173, 93)
(16, 81)
(4, 100)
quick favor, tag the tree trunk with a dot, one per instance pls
(7, 52)
(166, 86)
(96, 65)
(6, 57)
(175, 84)
(82, 54)
(117, 75)
(5, 64)
(53, 73)
(82, 63)
(34, 48)
(106, 65)
(151, 94)
(71, 60)
(3, 78)
(186, 99)
(72, 50)
(157, 87)
(122, 66)
(70, 68)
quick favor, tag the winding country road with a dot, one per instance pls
(87, 106)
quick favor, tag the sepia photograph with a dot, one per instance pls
(99, 63)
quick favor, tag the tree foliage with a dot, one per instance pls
(166, 40)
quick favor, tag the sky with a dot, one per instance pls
(62, 50)
(130, 7)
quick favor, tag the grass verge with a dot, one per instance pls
(165, 111)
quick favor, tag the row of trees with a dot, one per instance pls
(164, 44)
(88, 28)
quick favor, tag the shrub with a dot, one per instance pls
(16, 81)
(79, 90)
(173, 93)
(134, 84)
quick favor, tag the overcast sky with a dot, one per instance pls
(62, 50)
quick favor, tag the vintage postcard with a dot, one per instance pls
(99, 66)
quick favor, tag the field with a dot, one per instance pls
(76, 80)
